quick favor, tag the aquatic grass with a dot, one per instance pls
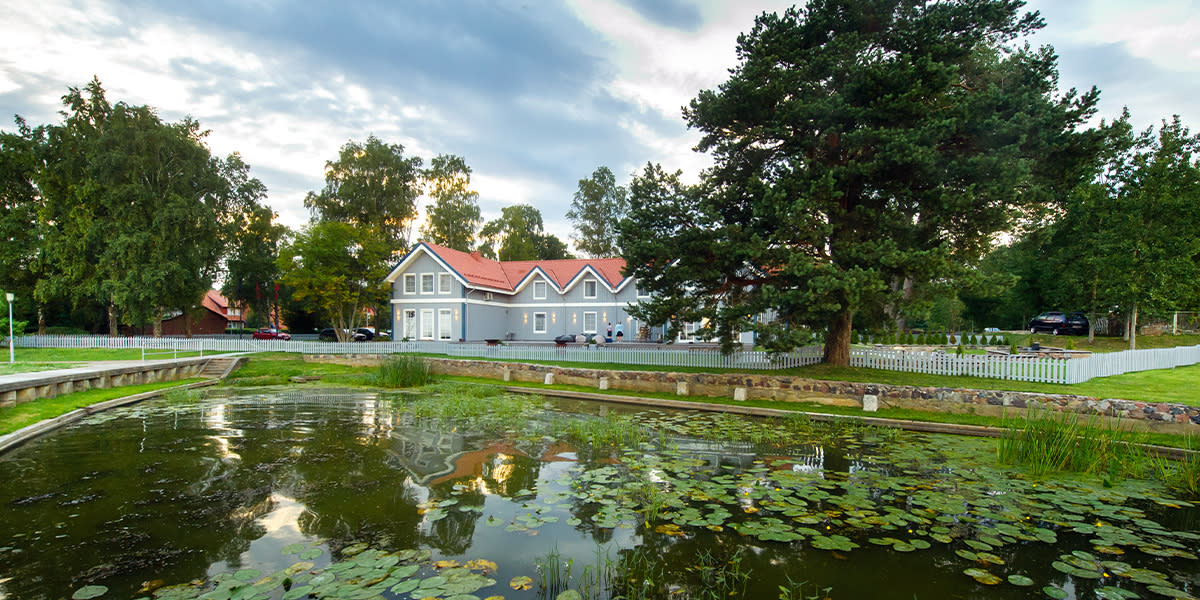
(403, 371)
(554, 574)
(1181, 475)
(611, 431)
(794, 590)
(721, 578)
(1045, 442)
(639, 576)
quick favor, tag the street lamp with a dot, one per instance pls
(9, 296)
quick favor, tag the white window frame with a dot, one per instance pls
(443, 283)
(536, 295)
(404, 324)
(688, 333)
(445, 324)
(535, 322)
(426, 319)
(595, 288)
(641, 293)
(410, 283)
(432, 289)
(595, 322)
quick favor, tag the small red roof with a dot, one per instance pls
(506, 275)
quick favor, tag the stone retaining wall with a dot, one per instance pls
(50, 386)
(797, 389)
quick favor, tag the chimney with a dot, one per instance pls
(476, 255)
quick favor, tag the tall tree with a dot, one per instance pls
(454, 216)
(371, 186)
(598, 206)
(336, 269)
(251, 267)
(1128, 239)
(518, 234)
(859, 144)
(20, 202)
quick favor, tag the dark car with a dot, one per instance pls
(328, 334)
(1057, 322)
(569, 338)
(270, 333)
(361, 334)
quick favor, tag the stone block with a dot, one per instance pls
(603, 383)
(870, 403)
(681, 388)
(549, 378)
(507, 374)
(739, 394)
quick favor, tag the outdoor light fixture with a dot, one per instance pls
(9, 296)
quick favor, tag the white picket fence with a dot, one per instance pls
(1013, 368)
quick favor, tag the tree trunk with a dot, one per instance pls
(113, 329)
(41, 320)
(1092, 330)
(1133, 328)
(837, 343)
(187, 324)
(158, 315)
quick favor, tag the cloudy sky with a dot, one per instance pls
(535, 94)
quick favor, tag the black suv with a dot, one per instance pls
(1056, 323)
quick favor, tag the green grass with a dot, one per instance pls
(1164, 385)
(28, 413)
(903, 414)
(401, 371)
(45, 355)
(1045, 442)
(1105, 343)
(277, 368)
(30, 367)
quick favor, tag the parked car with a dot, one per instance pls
(1057, 322)
(270, 333)
(362, 334)
(569, 338)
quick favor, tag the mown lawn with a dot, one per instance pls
(28, 413)
(28, 358)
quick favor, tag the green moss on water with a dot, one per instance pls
(28, 413)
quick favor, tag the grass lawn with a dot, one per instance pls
(28, 413)
(275, 368)
(78, 355)
(1105, 344)
(30, 367)
(1178, 385)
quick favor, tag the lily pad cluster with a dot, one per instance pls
(361, 574)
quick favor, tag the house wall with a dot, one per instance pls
(207, 323)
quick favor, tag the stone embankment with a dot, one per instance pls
(752, 386)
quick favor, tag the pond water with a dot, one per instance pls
(460, 492)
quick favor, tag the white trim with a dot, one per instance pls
(421, 324)
(606, 304)
(404, 332)
(637, 292)
(444, 319)
(595, 321)
(579, 277)
(528, 278)
(545, 287)
(432, 284)
(595, 289)
(407, 290)
(545, 322)
(391, 278)
(449, 286)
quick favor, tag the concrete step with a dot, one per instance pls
(220, 368)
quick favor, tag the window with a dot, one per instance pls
(426, 283)
(642, 292)
(539, 290)
(427, 324)
(410, 283)
(689, 332)
(589, 322)
(444, 324)
(539, 322)
(409, 324)
(443, 283)
(589, 288)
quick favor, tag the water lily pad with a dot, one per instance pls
(982, 576)
(405, 586)
(569, 595)
(353, 549)
(521, 582)
(1055, 592)
(311, 553)
(293, 549)
(1020, 580)
(1170, 592)
(1109, 592)
(88, 592)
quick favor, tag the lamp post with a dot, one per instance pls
(11, 358)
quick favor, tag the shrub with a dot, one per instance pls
(403, 371)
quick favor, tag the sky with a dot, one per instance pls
(535, 95)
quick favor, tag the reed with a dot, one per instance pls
(1182, 476)
(403, 371)
(1046, 443)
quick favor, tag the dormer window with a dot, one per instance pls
(589, 288)
(539, 290)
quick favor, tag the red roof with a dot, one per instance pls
(506, 275)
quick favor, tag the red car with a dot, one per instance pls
(270, 333)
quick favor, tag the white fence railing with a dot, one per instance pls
(1013, 368)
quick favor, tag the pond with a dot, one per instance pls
(462, 492)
